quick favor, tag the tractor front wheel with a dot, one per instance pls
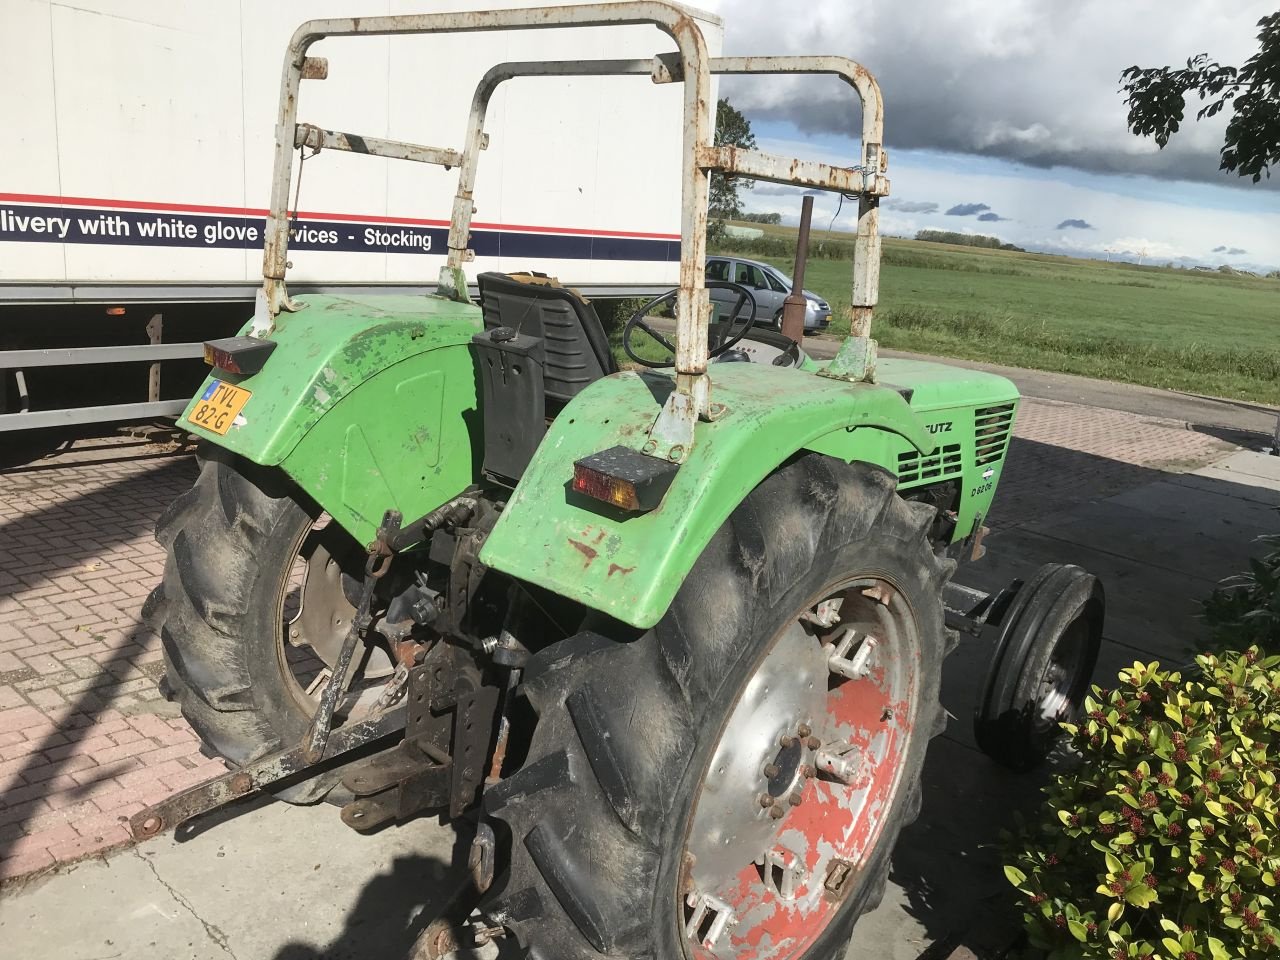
(734, 780)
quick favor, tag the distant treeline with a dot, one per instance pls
(774, 218)
(966, 240)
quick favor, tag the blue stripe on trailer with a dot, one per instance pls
(26, 223)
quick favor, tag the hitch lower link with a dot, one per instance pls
(445, 721)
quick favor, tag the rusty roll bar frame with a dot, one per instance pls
(672, 434)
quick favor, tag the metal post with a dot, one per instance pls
(793, 308)
(155, 327)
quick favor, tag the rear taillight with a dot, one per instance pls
(624, 478)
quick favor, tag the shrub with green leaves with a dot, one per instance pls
(1245, 609)
(1163, 842)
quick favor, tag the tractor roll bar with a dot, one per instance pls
(672, 434)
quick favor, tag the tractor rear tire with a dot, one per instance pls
(231, 541)
(604, 815)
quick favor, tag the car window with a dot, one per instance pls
(776, 284)
(751, 277)
(717, 269)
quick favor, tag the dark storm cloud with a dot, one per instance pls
(1035, 83)
(967, 209)
(1230, 251)
(1074, 225)
(992, 218)
(910, 206)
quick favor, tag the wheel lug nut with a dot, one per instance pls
(787, 741)
(807, 771)
(804, 730)
(772, 770)
(766, 800)
(777, 812)
(795, 799)
(813, 743)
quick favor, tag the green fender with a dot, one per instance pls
(630, 566)
(368, 403)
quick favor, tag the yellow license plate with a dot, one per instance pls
(219, 406)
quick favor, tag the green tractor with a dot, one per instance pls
(669, 639)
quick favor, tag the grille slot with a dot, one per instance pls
(942, 463)
(992, 426)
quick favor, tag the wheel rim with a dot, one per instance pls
(1063, 683)
(793, 802)
(315, 613)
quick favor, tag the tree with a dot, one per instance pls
(732, 129)
(1157, 100)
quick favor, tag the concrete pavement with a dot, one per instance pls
(267, 882)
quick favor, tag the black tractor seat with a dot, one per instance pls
(542, 345)
(575, 349)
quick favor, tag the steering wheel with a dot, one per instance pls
(725, 340)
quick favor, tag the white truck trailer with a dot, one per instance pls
(137, 170)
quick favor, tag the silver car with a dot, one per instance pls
(770, 286)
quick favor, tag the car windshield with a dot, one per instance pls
(778, 274)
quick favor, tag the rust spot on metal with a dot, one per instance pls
(241, 783)
(614, 568)
(586, 550)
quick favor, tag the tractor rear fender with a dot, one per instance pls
(630, 566)
(368, 403)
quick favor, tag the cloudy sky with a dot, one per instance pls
(1003, 117)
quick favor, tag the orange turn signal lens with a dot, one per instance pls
(598, 486)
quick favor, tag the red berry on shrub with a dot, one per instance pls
(1051, 859)
(1236, 897)
(1151, 880)
(1255, 853)
(1107, 829)
(1144, 697)
(1116, 887)
(1180, 755)
(1269, 940)
(1230, 867)
(1190, 955)
(1173, 830)
(1149, 800)
(1091, 927)
(1215, 774)
(1164, 779)
(1185, 800)
(1251, 919)
(1060, 920)
(1200, 859)
(1209, 829)
(1075, 820)
(1187, 928)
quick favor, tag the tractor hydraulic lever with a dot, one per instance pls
(375, 568)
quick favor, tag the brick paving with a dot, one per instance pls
(85, 737)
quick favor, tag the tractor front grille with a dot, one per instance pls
(992, 426)
(943, 463)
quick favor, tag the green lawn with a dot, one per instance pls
(1186, 330)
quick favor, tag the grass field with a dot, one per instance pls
(1206, 333)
